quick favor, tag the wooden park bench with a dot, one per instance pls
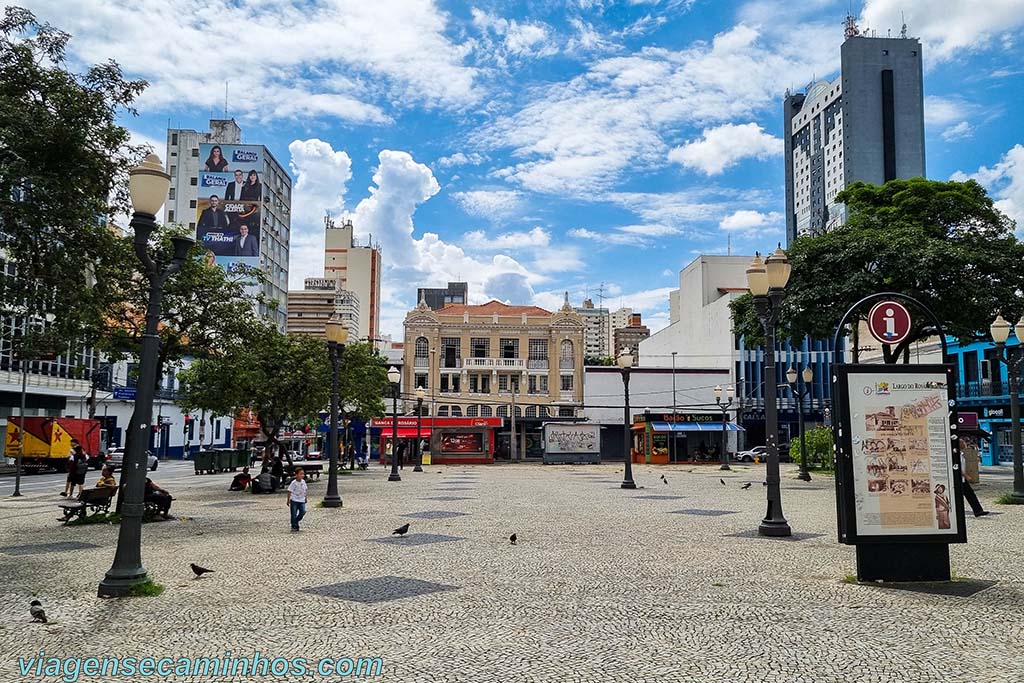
(97, 500)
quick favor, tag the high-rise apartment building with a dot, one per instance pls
(309, 309)
(596, 330)
(616, 321)
(866, 125)
(358, 267)
(439, 297)
(631, 335)
(236, 199)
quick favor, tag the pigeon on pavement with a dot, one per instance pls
(401, 531)
(199, 571)
(746, 486)
(722, 482)
(512, 539)
(36, 610)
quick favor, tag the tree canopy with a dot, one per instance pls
(363, 379)
(943, 243)
(64, 163)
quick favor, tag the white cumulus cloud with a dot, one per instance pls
(1005, 182)
(724, 146)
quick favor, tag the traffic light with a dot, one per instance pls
(187, 425)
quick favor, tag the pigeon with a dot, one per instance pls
(664, 480)
(199, 571)
(401, 531)
(512, 539)
(36, 610)
(722, 482)
(746, 486)
(662, 477)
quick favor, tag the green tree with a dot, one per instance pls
(63, 170)
(363, 379)
(943, 243)
(819, 448)
(284, 379)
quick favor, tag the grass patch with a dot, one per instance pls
(718, 585)
(319, 505)
(149, 589)
(850, 578)
(1008, 499)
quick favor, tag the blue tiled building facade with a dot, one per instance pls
(983, 388)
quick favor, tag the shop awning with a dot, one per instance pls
(695, 427)
(405, 433)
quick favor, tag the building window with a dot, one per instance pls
(509, 348)
(502, 411)
(503, 382)
(191, 225)
(193, 181)
(566, 382)
(421, 380)
(456, 411)
(485, 411)
(170, 214)
(450, 383)
(531, 411)
(174, 139)
(538, 353)
(442, 411)
(566, 412)
(195, 152)
(422, 349)
(174, 170)
(450, 352)
(472, 411)
(192, 204)
(480, 347)
(565, 356)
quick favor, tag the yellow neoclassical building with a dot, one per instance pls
(492, 359)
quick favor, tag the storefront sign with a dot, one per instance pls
(385, 423)
(682, 417)
(899, 455)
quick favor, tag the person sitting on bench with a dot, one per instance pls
(106, 480)
(241, 480)
(159, 496)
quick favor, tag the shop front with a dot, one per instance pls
(681, 437)
(448, 440)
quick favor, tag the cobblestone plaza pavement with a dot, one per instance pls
(665, 583)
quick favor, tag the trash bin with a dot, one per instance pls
(203, 462)
(240, 459)
(222, 460)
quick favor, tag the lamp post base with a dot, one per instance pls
(1018, 496)
(725, 466)
(120, 585)
(417, 468)
(775, 528)
(394, 476)
(804, 476)
(332, 502)
(628, 484)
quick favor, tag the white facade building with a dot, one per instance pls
(596, 333)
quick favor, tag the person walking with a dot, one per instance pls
(297, 498)
(969, 495)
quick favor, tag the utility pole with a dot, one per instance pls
(674, 422)
(512, 435)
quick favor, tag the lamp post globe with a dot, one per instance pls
(148, 184)
(625, 362)
(395, 377)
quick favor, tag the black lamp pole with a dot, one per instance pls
(332, 499)
(625, 362)
(127, 571)
(800, 391)
(419, 429)
(768, 306)
(1013, 358)
(395, 386)
(725, 425)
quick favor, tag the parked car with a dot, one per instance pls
(761, 453)
(313, 455)
(116, 456)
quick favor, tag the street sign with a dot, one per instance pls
(124, 394)
(889, 322)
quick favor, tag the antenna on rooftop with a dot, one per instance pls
(850, 29)
(225, 99)
(903, 31)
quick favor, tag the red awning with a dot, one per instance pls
(405, 433)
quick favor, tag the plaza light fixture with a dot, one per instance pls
(395, 377)
(148, 185)
(725, 422)
(420, 395)
(625, 362)
(767, 281)
(337, 335)
(1012, 357)
(801, 393)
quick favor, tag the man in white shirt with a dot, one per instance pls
(297, 498)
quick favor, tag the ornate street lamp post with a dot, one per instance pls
(801, 392)
(420, 395)
(395, 377)
(148, 184)
(337, 334)
(1012, 357)
(767, 279)
(625, 362)
(725, 423)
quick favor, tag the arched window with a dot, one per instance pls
(485, 411)
(566, 360)
(519, 411)
(531, 411)
(502, 411)
(422, 352)
(472, 411)
(456, 411)
(442, 411)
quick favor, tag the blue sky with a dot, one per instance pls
(547, 145)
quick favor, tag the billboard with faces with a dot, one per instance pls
(229, 203)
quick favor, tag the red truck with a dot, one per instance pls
(49, 440)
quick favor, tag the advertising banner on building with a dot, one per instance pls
(899, 458)
(462, 442)
(229, 203)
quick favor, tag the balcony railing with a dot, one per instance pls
(566, 396)
(537, 364)
(453, 364)
(421, 362)
(566, 364)
(983, 388)
(495, 363)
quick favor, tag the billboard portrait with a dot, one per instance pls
(462, 442)
(230, 199)
(901, 465)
